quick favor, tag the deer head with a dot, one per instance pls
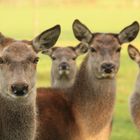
(104, 48)
(18, 60)
(64, 60)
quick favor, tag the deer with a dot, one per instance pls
(134, 54)
(85, 110)
(18, 62)
(64, 67)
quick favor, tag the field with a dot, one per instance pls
(26, 20)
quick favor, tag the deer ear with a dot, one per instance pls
(2, 38)
(134, 53)
(46, 39)
(81, 32)
(49, 51)
(82, 48)
(129, 33)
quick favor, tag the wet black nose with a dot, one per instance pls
(64, 66)
(107, 67)
(19, 89)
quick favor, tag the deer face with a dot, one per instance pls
(104, 53)
(64, 60)
(18, 69)
(104, 48)
(18, 62)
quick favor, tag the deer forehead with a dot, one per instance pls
(18, 51)
(64, 52)
(105, 40)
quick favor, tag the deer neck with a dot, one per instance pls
(137, 85)
(89, 86)
(18, 119)
(93, 98)
(63, 83)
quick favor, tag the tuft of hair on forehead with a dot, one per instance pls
(105, 38)
(18, 46)
(64, 50)
(60, 48)
(18, 50)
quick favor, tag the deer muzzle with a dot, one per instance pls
(19, 89)
(107, 68)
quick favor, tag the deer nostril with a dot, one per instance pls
(19, 89)
(64, 66)
(107, 67)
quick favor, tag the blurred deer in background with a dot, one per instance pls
(135, 98)
(64, 68)
(85, 111)
(18, 61)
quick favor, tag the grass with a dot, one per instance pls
(26, 21)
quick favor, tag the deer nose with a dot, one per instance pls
(64, 66)
(19, 89)
(107, 67)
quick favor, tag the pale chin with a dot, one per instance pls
(106, 76)
(61, 72)
(10, 95)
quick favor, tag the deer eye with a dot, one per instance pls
(53, 58)
(92, 50)
(118, 50)
(1, 61)
(36, 60)
(74, 58)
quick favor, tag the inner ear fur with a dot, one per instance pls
(49, 51)
(81, 32)
(129, 33)
(46, 39)
(81, 48)
(134, 53)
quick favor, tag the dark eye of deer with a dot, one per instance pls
(36, 60)
(92, 50)
(118, 50)
(1, 61)
(53, 58)
(74, 58)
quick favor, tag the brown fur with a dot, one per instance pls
(54, 107)
(63, 78)
(4, 41)
(90, 101)
(17, 115)
(87, 119)
(135, 97)
(135, 109)
(18, 61)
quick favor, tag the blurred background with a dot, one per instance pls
(25, 19)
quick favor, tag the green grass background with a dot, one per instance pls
(25, 19)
